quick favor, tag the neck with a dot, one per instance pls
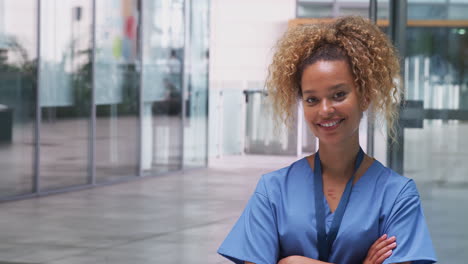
(338, 160)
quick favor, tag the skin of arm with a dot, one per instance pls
(304, 260)
(378, 252)
(298, 260)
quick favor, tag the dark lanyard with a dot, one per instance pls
(325, 241)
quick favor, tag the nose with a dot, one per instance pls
(326, 108)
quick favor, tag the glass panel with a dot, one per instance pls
(423, 11)
(305, 2)
(427, 1)
(195, 128)
(443, 160)
(321, 9)
(314, 10)
(353, 1)
(18, 45)
(65, 92)
(436, 74)
(163, 56)
(435, 67)
(355, 11)
(436, 154)
(382, 9)
(116, 89)
(262, 137)
(458, 11)
(231, 103)
(436, 10)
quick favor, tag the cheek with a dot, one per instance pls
(308, 113)
(349, 107)
(309, 118)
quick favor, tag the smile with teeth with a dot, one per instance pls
(330, 124)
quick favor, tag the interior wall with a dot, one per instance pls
(243, 33)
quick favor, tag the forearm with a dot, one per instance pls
(297, 260)
(301, 260)
(305, 260)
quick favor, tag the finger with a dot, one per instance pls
(379, 240)
(379, 244)
(385, 250)
(383, 257)
(381, 248)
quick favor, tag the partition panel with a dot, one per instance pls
(18, 55)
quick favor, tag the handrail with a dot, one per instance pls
(253, 91)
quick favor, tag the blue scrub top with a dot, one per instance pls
(279, 219)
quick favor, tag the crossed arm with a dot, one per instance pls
(378, 252)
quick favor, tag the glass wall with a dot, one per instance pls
(417, 9)
(332, 8)
(437, 76)
(65, 92)
(196, 90)
(435, 153)
(116, 84)
(163, 61)
(113, 81)
(18, 60)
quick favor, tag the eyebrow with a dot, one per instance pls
(332, 88)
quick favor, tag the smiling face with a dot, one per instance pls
(330, 100)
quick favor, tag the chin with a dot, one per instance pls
(331, 140)
(337, 139)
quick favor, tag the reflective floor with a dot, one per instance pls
(176, 218)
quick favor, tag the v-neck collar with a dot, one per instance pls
(375, 163)
(356, 187)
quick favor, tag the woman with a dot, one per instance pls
(338, 205)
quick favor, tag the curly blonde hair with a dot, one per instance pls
(372, 58)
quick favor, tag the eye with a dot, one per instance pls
(311, 100)
(339, 96)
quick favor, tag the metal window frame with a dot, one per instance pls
(92, 128)
(207, 127)
(370, 122)
(186, 76)
(37, 130)
(139, 66)
(397, 31)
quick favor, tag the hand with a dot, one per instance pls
(380, 250)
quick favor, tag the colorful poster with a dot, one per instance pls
(116, 38)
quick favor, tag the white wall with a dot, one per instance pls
(243, 33)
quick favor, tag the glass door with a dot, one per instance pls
(437, 78)
(195, 140)
(116, 85)
(64, 93)
(18, 56)
(163, 64)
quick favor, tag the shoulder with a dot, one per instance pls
(394, 185)
(276, 181)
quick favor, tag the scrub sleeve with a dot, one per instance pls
(406, 222)
(254, 237)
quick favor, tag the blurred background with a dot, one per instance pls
(167, 98)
